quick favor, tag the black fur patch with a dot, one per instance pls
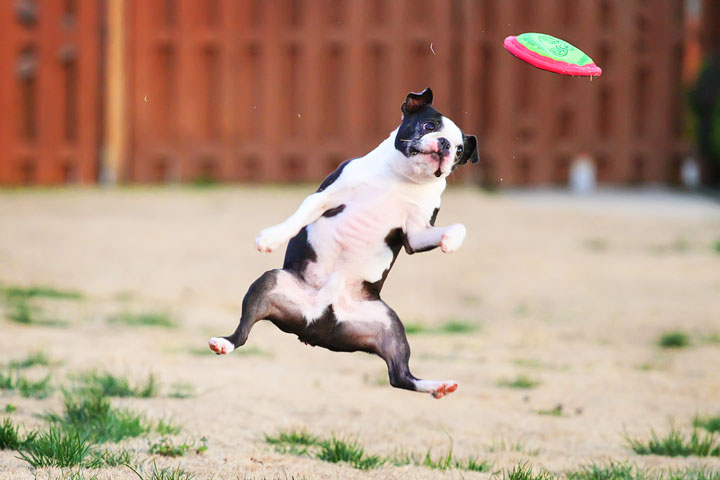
(434, 216)
(330, 179)
(334, 211)
(410, 250)
(299, 253)
(411, 131)
(319, 331)
(395, 241)
(470, 150)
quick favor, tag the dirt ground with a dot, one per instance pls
(571, 291)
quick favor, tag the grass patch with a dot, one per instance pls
(596, 244)
(675, 444)
(528, 363)
(524, 471)
(167, 427)
(675, 339)
(13, 380)
(293, 437)
(111, 385)
(519, 382)
(15, 292)
(451, 327)
(556, 411)
(338, 450)
(147, 319)
(109, 458)
(167, 448)
(32, 360)
(711, 424)
(716, 247)
(457, 326)
(611, 471)
(79, 475)
(713, 338)
(694, 473)
(20, 311)
(500, 445)
(91, 415)
(444, 462)
(415, 328)
(10, 436)
(624, 471)
(181, 390)
(34, 389)
(59, 446)
(10, 408)
(56, 448)
(165, 473)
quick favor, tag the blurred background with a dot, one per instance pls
(107, 91)
(573, 323)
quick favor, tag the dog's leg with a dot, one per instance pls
(420, 238)
(386, 337)
(309, 210)
(257, 305)
(279, 296)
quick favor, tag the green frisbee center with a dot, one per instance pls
(554, 48)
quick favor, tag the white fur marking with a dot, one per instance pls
(220, 345)
(453, 238)
(437, 389)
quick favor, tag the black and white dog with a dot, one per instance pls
(345, 237)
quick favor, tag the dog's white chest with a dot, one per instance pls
(365, 223)
(353, 242)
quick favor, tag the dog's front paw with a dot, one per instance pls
(453, 238)
(271, 238)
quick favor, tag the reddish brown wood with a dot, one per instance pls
(50, 93)
(284, 90)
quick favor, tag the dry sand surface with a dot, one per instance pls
(571, 291)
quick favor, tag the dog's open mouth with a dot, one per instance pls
(435, 156)
(434, 153)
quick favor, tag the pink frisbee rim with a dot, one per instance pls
(545, 63)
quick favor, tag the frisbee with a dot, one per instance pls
(552, 54)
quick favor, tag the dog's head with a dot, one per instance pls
(433, 146)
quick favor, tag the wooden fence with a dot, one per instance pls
(284, 90)
(49, 91)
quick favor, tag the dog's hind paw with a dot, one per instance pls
(437, 389)
(445, 388)
(220, 345)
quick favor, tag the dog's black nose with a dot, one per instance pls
(443, 144)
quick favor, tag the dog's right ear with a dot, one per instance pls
(414, 101)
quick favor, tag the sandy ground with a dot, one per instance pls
(571, 291)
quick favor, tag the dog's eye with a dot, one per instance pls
(459, 152)
(428, 126)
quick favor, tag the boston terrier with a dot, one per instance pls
(345, 237)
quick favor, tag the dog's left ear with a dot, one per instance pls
(414, 101)
(470, 151)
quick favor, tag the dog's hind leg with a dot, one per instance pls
(386, 337)
(257, 305)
